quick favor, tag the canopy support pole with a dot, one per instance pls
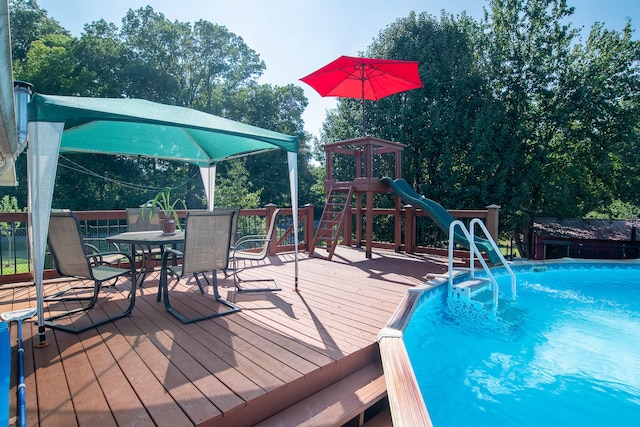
(42, 162)
(208, 175)
(292, 159)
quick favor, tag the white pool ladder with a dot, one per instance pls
(465, 290)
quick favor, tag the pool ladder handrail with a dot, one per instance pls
(475, 252)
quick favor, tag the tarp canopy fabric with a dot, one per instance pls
(63, 124)
(143, 128)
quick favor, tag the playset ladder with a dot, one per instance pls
(333, 218)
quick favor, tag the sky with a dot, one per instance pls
(296, 37)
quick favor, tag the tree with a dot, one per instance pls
(29, 23)
(528, 47)
(9, 204)
(569, 110)
(202, 66)
(598, 149)
(222, 65)
(515, 111)
(444, 124)
(49, 56)
(278, 109)
(102, 61)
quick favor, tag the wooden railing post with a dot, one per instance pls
(274, 241)
(347, 235)
(397, 220)
(409, 229)
(309, 225)
(493, 213)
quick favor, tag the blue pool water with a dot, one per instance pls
(566, 352)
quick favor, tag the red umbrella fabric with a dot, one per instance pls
(364, 78)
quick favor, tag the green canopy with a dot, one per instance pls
(138, 127)
(64, 124)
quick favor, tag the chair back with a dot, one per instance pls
(207, 240)
(234, 222)
(138, 222)
(269, 236)
(66, 246)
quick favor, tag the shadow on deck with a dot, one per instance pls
(240, 369)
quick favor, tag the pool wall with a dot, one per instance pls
(405, 399)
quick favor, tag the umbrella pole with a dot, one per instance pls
(364, 131)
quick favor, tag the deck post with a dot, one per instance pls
(397, 220)
(358, 220)
(369, 225)
(309, 224)
(348, 228)
(409, 229)
(274, 242)
(493, 213)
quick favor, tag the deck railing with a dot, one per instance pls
(411, 230)
(96, 226)
(408, 229)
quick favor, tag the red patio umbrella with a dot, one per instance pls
(364, 78)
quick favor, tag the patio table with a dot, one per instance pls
(152, 238)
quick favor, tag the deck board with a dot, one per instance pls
(150, 369)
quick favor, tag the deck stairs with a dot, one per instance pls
(480, 292)
(333, 219)
(356, 400)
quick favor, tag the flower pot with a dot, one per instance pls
(168, 225)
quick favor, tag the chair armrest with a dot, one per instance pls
(250, 238)
(94, 249)
(170, 252)
(96, 258)
(243, 250)
(91, 249)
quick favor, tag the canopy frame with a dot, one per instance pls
(59, 124)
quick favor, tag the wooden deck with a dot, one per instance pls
(236, 370)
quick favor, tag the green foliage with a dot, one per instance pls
(515, 111)
(165, 204)
(201, 65)
(51, 55)
(9, 204)
(234, 189)
(29, 23)
(617, 210)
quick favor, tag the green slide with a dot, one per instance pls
(438, 214)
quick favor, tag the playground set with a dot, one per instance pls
(363, 186)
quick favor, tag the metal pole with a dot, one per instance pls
(364, 132)
(19, 316)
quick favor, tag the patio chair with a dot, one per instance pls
(206, 248)
(253, 248)
(71, 259)
(146, 253)
(234, 232)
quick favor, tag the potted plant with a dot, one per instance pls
(162, 201)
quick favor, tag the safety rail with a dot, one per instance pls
(469, 234)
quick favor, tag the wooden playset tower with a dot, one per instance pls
(364, 184)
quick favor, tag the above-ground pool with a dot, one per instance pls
(565, 352)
